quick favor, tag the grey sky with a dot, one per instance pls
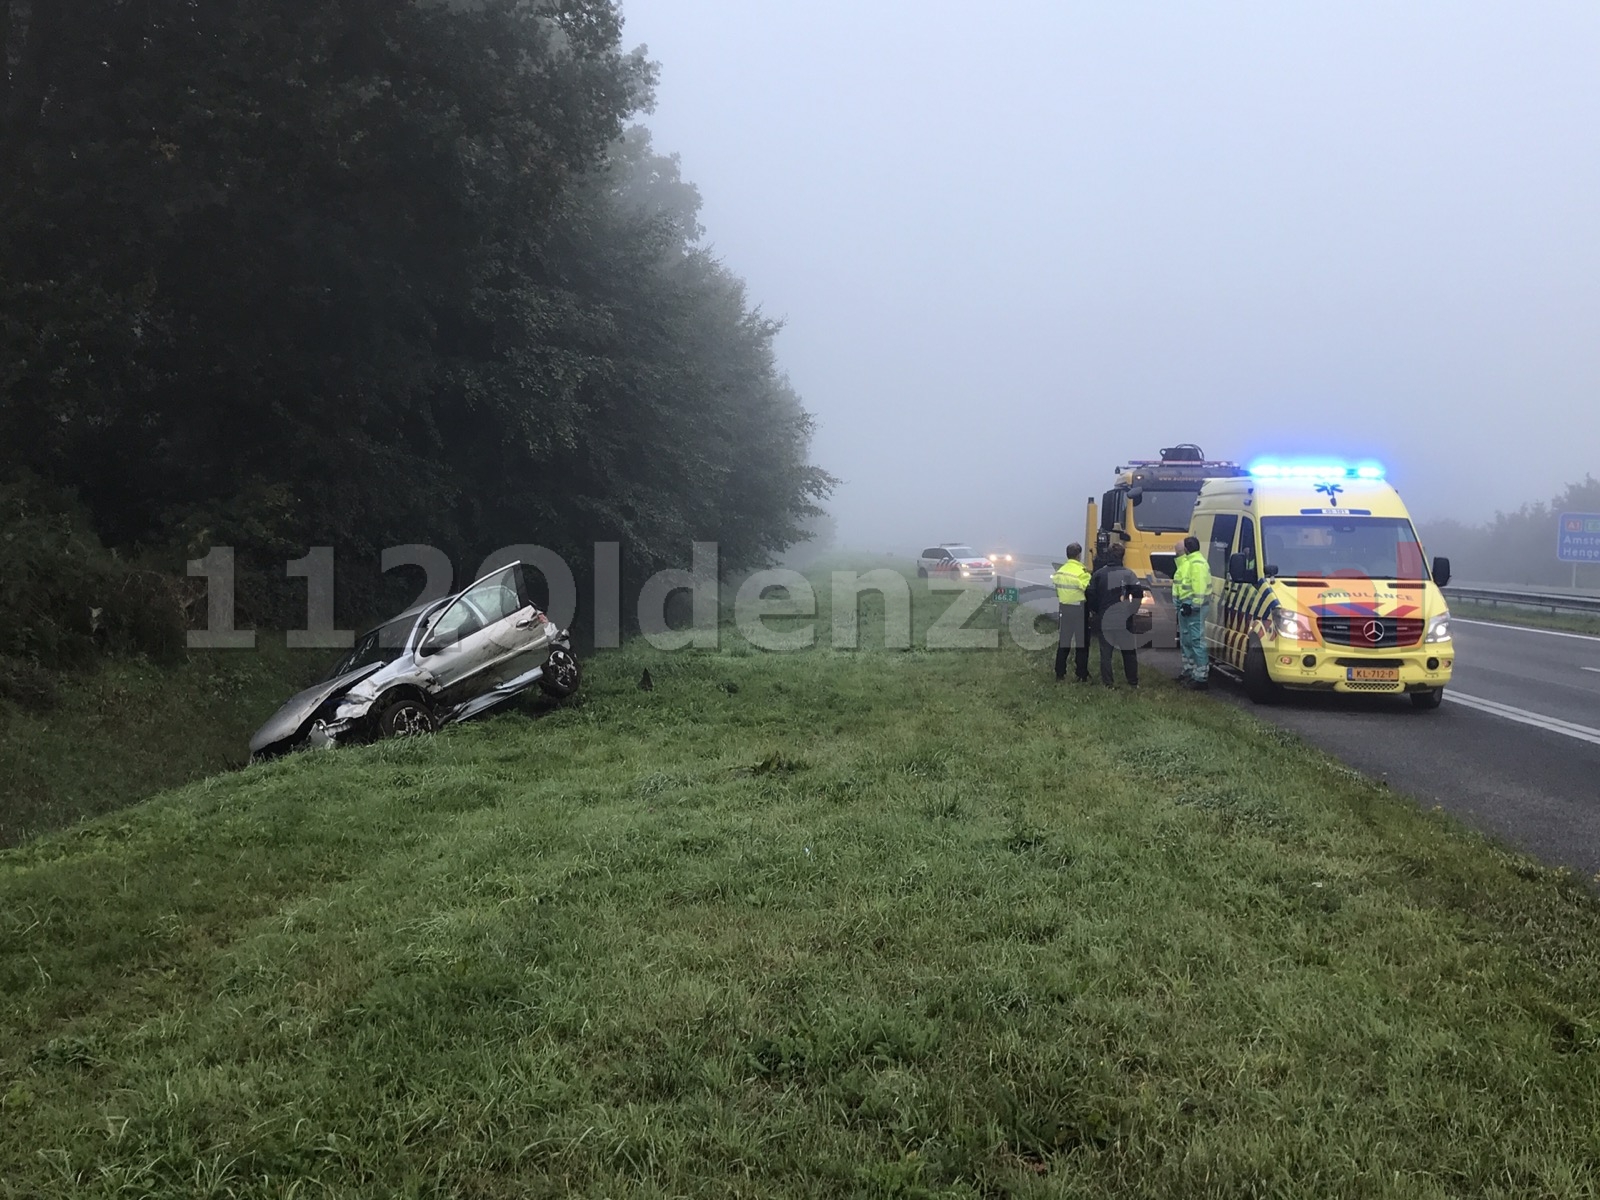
(1016, 246)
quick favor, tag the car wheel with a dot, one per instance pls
(561, 674)
(406, 717)
(922, 572)
(1431, 698)
(1258, 684)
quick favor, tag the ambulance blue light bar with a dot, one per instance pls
(1314, 471)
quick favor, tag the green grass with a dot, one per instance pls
(823, 924)
(1502, 615)
(133, 728)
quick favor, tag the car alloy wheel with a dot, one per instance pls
(406, 718)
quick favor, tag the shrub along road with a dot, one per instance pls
(825, 923)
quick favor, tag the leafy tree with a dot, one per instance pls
(365, 272)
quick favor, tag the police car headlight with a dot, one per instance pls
(1439, 628)
(1293, 625)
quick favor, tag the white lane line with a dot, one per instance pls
(1521, 715)
(1582, 637)
(1596, 670)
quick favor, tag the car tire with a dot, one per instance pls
(1429, 699)
(1258, 683)
(922, 572)
(562, 674)
(406, 717)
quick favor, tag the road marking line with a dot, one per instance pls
(1596, 670)
(1511, 708)
(1523, 716)
(1582, 637)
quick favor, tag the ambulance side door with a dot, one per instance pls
(1217, 542)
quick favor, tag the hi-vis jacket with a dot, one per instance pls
(1191, 580)
(1071, 580)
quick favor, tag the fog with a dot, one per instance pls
(1014, 249)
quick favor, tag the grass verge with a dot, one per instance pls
(132, 728)
(894, 923)
(1527, 617)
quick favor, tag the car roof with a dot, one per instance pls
(416, 610)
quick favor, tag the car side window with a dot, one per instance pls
(1221, 538)
(931, 552)
(1247, 543)
(456, 622)
(496, 597)
(481, 605)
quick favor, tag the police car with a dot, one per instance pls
(955, 560)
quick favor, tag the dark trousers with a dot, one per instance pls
(1130, 658)
(1074, 634)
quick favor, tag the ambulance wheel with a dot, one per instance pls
(1258, 684)
(1431, 698)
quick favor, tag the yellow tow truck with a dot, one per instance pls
(1147, 509)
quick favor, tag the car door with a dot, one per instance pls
(485, 636)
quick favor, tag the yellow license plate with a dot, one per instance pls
(1373, 674)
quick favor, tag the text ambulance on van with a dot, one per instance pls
(1319, 583)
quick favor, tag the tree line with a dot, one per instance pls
(1516, 547)
(284, 273)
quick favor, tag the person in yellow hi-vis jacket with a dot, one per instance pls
(1072, 579)
(1191, 592)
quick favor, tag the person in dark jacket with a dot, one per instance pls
(1113, 598)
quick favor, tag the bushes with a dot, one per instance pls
(64, 597)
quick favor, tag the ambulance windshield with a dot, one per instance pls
(1320, 546)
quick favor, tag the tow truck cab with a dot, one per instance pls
(1147, 509)
(1320, 583)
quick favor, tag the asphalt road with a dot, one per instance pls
(1514, 750)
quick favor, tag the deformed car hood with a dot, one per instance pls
(286, 722)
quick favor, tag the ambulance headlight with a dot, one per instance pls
(1294, 626)
(1439, 628)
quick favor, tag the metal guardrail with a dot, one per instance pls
(1520, 598)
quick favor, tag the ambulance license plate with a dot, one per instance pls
(1373, 674)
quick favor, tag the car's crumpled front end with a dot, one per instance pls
(283, 730)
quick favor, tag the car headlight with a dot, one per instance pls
(1292, 625)
(1439, 628)
(966, 574)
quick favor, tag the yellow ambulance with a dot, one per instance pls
(1320, 584)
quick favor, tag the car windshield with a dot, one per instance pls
(1165, 510)
(380, 645)
(1371, 547)
(961, 552)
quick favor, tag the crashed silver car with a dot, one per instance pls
(433, 664)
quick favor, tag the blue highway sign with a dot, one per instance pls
(1578, 537)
